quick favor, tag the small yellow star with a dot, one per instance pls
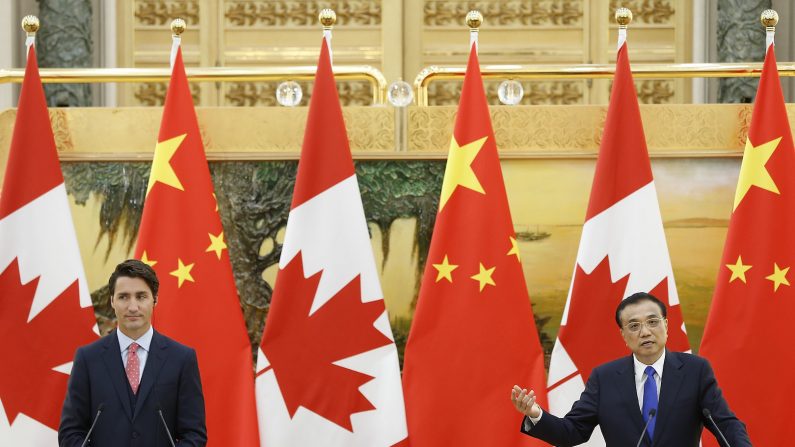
(445, 270)
(484, 277)
(753, 171)
(217, 244)
(738, 270)
(514, 249)
(183, 272)
(459, 169)
(778, 277)
(162, 171)
(145, 259)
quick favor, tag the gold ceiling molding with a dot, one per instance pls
(648, 11)
(300, 14)
(510, 13)
(154, 93)
(247, 94)
(445, 93)
(162, 12)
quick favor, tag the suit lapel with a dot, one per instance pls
(672, 378)
(629, 394)
(112, 358)
(154, 361)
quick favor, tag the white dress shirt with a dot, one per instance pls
(143, 347)
(640, 380)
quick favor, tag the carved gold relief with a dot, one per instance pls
(442, 13)
(353, 93)
(647, 11)
(296, 13)
(154, 93)
(655, 91)
(548, 92)
(161, 12)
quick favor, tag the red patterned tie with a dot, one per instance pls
(133, 367)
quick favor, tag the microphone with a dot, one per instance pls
(93, 424)
(708, 415)
(652, 413)
(163, 420)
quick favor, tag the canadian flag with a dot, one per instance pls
(327, 372)
(45, 306)
(622, 251)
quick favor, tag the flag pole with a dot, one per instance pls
(30, 24)
(178, 26)
(328, 18)
(623, 18)
(474, 20)
(769, 18)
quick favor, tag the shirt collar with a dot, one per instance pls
(640, 367)
(144, 341)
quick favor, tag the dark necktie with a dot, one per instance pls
(649, 399)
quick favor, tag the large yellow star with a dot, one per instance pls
(445, 270)
(514, 249)
(753, 171)
(183, 272)
(145, 259)
(217, 244)
(459, 169)
(738, 270)
(778, 277)
(161, 164)
(484, 277)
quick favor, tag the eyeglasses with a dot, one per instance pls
(651, 323)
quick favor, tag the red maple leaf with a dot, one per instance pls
(677, 338)
(591, 336)
(302, 348)
(28, 383)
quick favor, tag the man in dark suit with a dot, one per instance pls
(134, 376)
(666, 391)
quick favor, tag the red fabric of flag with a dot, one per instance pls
(473, 335)
(181, 237)
(747, 333)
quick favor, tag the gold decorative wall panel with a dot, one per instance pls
(400, 37)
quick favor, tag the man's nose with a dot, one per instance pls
(644, 330)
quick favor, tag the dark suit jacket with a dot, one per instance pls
(170, 380)
(610, 400)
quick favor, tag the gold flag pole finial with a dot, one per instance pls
(474, 20)
(769, 18)
(327, 18)
(178, 26)
(623, 17)
(30, 24)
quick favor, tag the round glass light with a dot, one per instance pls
(400, 94)
(289, 94)
(510, 92)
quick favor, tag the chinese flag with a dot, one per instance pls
(473, 336)
(182, 239)
(327, 372)
(622, 251)
(747, 333)
(45, 306)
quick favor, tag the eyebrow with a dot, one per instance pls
(648, 317)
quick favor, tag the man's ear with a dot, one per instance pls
(156, 301)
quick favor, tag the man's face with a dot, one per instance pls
(133, 303)
(647, 342)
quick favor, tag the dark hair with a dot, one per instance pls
(133, 268)
(635, 298)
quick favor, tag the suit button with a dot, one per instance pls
(134, 434)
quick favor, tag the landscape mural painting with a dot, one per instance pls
(548, 198)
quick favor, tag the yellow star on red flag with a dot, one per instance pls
(738, 270)
(145, 259)
(483, 277)
(445, 270)
(459, 169)
(182, 273)
(514, 249)
(753, 171)
(162, 171)
(778, 277)
(217, 244)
